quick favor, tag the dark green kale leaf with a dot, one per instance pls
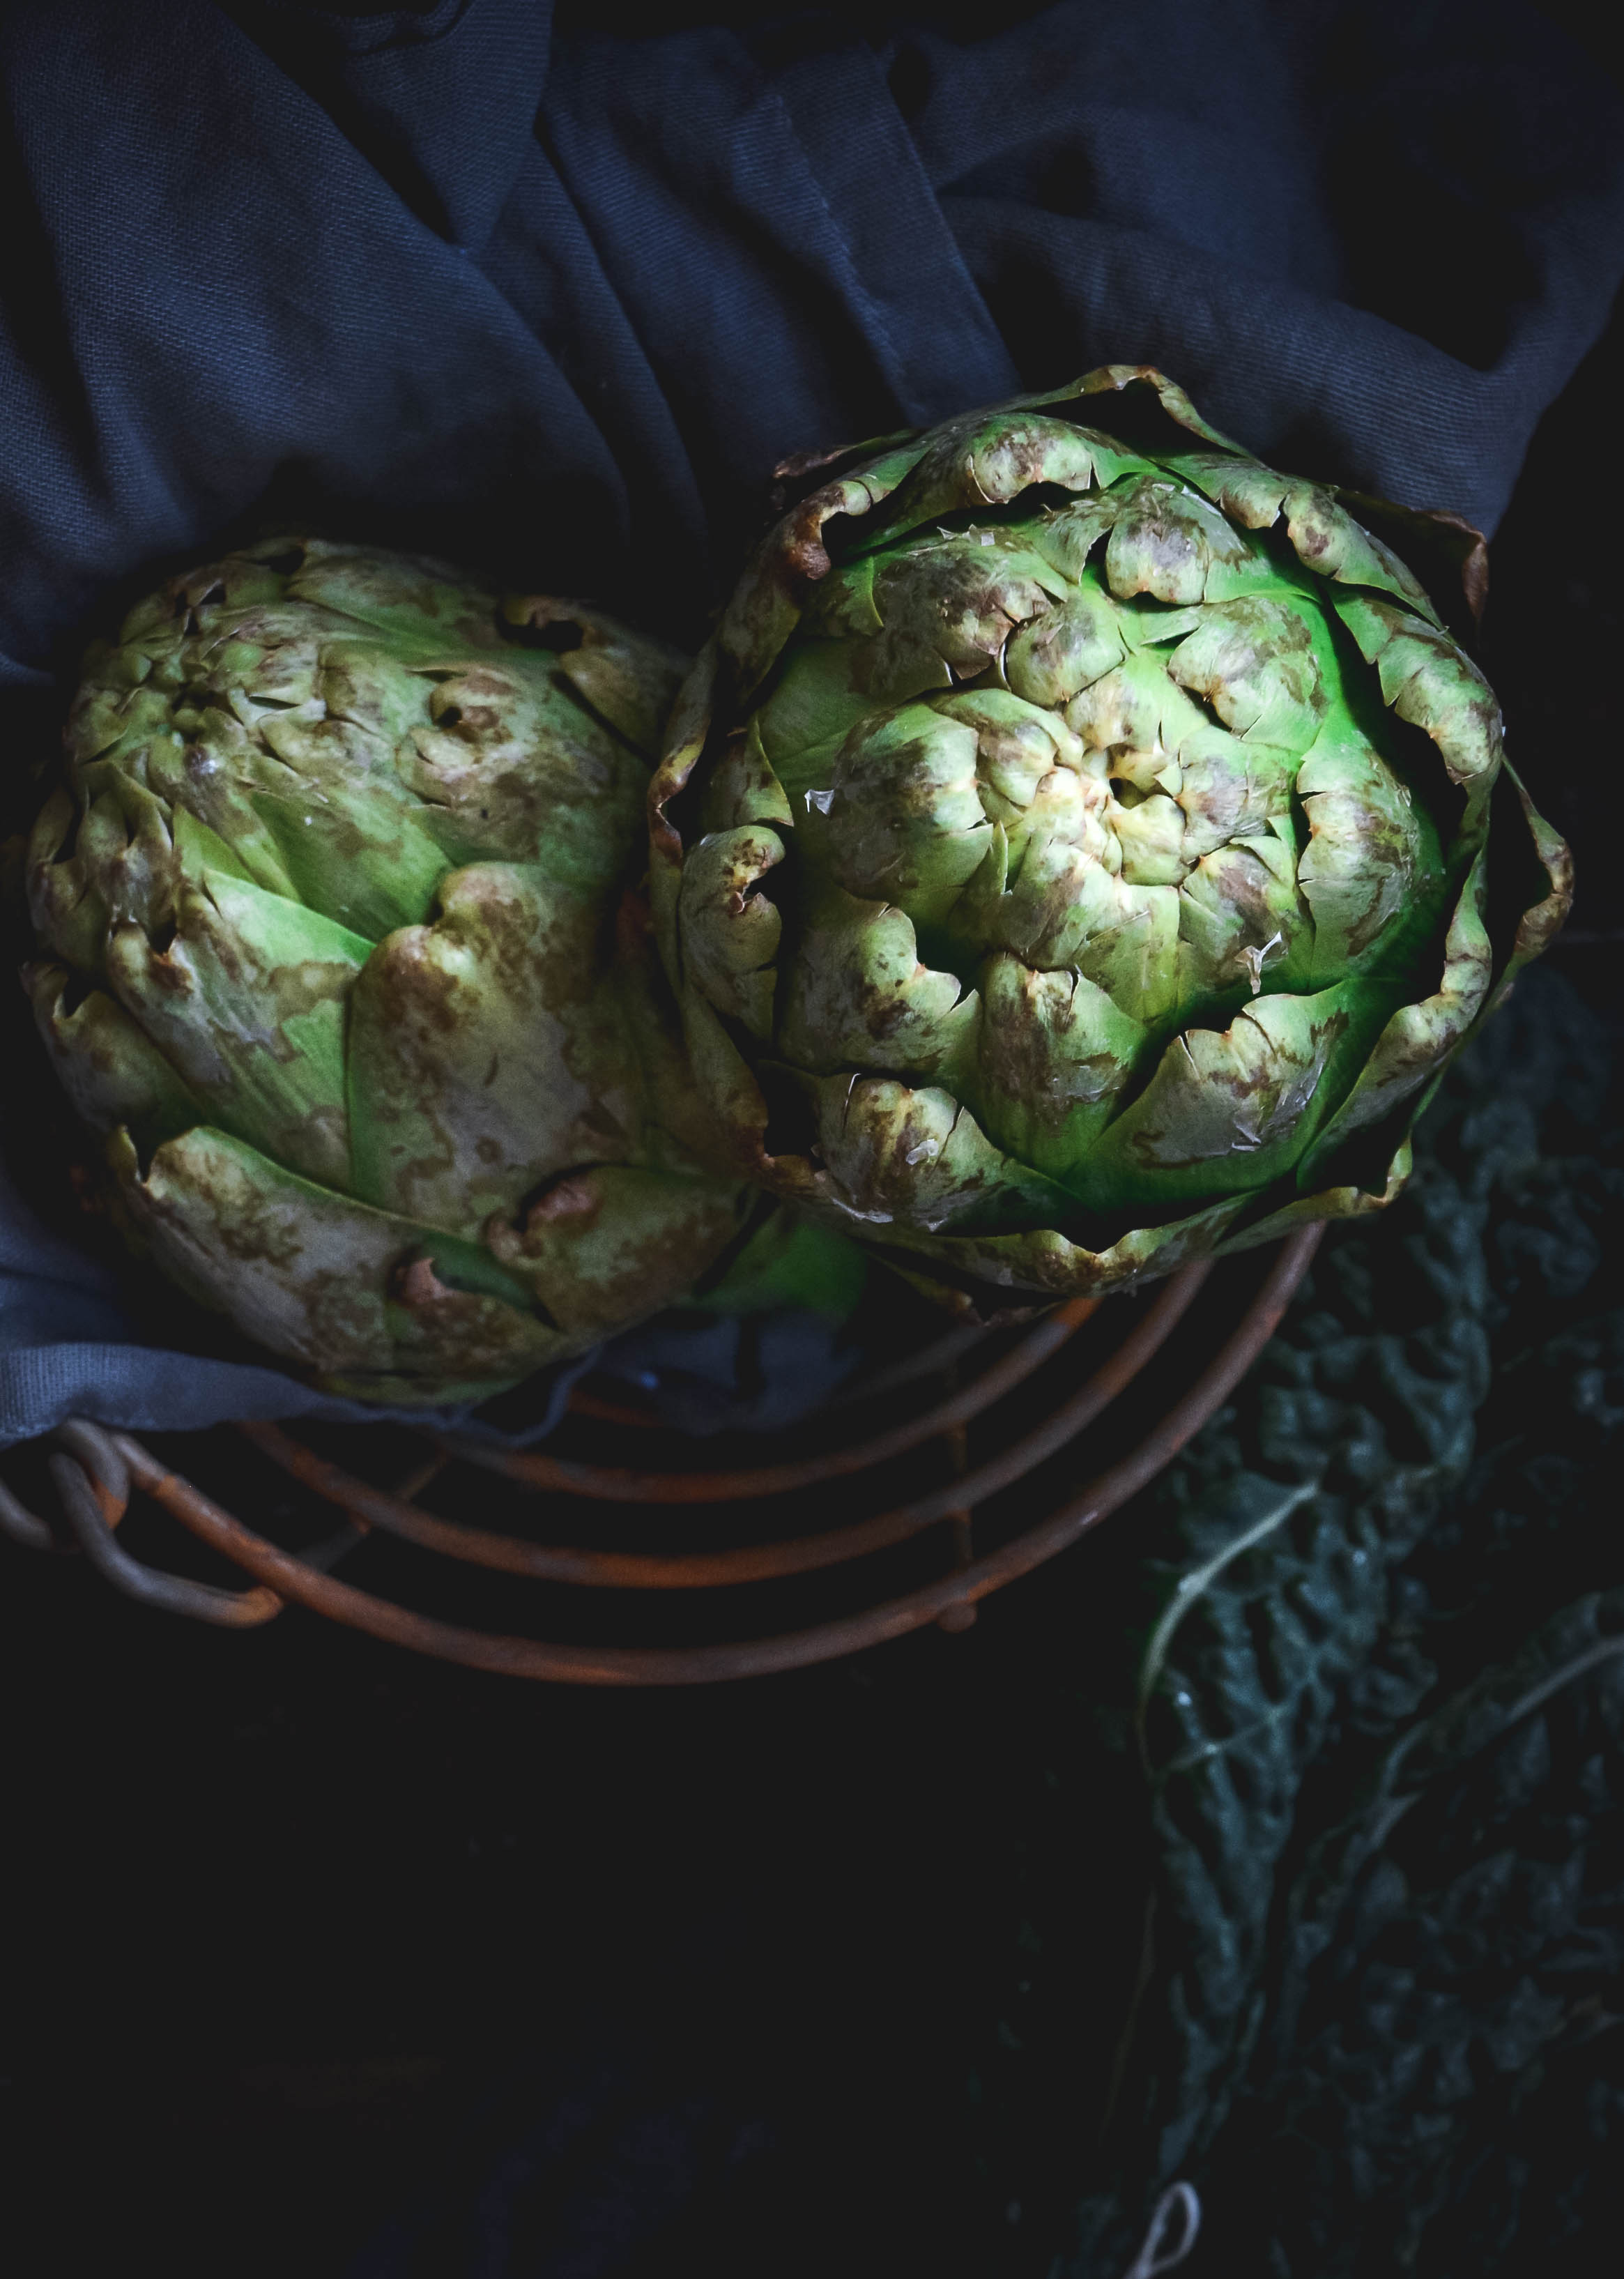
(1382, 1581)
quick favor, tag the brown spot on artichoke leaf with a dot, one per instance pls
(317, 1278)
(768, 602)
(571, 1197)
(905, 823)
(473, 682)
(1019, 747)
(997, 460)
(857, 990)
(895, 665)
(1036, 1060)
(1240, 1094)
(1542, 917)
(1163, 541)
(123, 854)
(110, 708)
(1055, 1054)
(1015, 452)
(1422, 1036)
(1045, 1263)
(1230, 790)
(742, 787)
(1129, 707)
(1063, 650)
(415, 1283)
(243, 1220)
(917, 1157)
(1150, 832)
(437, 1324)
(328, 752)
(730, 929)
(963, 594)
(981, 461)
(410, 598)
(510, 970)
(184, 603)
(67, 905)
(546, 786)
(253, 661)
(109, 1068)
(1441, 559)
(1429, 681)
(610, 1244)
(629, 681)
(1362, 862)
(244, 1006)
(1241, 918)
(1253, 660)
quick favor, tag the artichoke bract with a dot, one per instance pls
(345, 952)
(1072, 856)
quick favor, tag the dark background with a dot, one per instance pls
(292, 1923)
(290, 1917)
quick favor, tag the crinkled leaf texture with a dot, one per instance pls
(344, 951)
(1379, 1711)
(1082, 849)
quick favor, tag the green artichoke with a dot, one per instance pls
(345, 952)
(1072, 856)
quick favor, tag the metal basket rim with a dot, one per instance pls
(104, 1465)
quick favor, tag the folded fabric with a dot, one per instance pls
(524, 290)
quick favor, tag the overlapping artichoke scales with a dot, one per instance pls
(1086, 827)
(340, 950)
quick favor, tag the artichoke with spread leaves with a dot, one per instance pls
(1074, 853)
(344, 949)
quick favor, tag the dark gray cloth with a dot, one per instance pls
(553, 297)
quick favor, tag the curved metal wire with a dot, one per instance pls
(171, 1594)
(757, 1563)
(754, 1482)
(92, 1482)
(95, 1470)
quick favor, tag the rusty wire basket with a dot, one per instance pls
(835, 1532)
